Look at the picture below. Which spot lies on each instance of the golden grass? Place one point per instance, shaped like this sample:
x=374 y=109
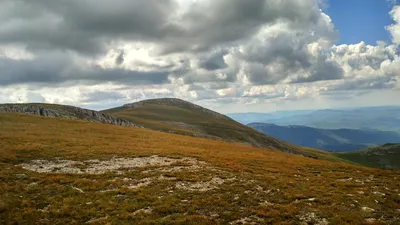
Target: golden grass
x=293 y=186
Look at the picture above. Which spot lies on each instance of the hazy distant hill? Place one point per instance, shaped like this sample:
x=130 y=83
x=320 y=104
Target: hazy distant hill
x=340 y=140
x=377 y=118
x=386 y=156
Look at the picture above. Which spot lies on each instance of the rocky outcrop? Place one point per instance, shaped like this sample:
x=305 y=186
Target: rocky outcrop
x=69 y=112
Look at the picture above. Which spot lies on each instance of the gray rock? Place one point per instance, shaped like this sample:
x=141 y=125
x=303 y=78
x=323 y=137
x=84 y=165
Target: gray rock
x=69 y=112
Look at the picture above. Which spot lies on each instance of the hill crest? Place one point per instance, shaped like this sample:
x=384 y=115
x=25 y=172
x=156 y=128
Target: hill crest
x=176 y=102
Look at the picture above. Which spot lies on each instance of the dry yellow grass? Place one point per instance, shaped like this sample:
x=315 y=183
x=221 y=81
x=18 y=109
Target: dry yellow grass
x=259 y=185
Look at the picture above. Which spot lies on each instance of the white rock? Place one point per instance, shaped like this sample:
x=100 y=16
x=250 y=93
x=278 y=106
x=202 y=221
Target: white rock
x=367 y=209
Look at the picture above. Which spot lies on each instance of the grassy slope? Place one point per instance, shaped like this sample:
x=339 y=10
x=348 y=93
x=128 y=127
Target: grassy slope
x=285 y=181
x=163 y=117
x=385 y=157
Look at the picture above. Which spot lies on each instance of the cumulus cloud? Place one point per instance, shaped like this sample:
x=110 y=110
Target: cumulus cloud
x=395 y=28
x=256 y=51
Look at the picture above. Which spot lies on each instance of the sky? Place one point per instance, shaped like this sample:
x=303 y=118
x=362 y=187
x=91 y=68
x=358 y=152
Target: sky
x=227 y=55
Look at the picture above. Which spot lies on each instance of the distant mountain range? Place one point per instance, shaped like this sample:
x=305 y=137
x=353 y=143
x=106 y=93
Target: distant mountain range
x=376 y=118
x=338 y=140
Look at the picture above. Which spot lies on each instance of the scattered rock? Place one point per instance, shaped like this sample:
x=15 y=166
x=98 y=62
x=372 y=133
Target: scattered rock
x=147 y=210
x=106 y=166
x=142 y=183
x=370 y=220
x=200 y=186
x=360 y=192
x=378 y=193
x=259 y=188
x=109 y=190
x=97 y=220
x=266 y=203
x=312 y=218
x=248 y=220
x=345 y=179
x=367 y=209
x=21 y=176
x=45 y=209
x=77 y=189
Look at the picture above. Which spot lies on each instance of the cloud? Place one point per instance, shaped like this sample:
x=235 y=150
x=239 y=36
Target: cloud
x=395 y=28
x=120 y=58
x=56 y=68
x=256 y=51
x=214 y=61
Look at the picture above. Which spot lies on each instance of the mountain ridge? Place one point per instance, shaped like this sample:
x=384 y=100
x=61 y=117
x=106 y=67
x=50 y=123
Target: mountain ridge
x=339 y=140
x=65 y=111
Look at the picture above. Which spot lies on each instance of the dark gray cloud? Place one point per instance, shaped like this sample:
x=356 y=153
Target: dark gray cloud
x=88 y=26
x=120 y=58
x=323 y=69
x=214 y=61
x=60 y=68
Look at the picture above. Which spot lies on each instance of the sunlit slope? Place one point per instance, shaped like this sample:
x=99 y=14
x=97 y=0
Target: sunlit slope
x=60 y=171
x=178 y=116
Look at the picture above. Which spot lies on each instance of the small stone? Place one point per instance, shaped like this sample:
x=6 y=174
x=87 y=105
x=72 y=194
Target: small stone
x=367 y=209
x=147 y=210
x=370 y=220
x=379 y=193
x=266 y=203
x=78 y=189
x=21 y=176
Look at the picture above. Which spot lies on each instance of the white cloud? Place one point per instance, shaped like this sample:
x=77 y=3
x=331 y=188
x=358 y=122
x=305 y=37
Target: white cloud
x=395 y=28
x=256 y=52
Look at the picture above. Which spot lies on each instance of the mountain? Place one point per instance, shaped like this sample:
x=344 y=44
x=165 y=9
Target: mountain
x=63 y=171
x=386 y=156
x=63 y=111
x=339 y=140
x=385 y=118
x=182 y=117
